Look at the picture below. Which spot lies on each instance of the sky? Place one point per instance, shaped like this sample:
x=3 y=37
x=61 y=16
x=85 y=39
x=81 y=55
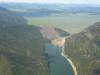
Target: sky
x=56 y=1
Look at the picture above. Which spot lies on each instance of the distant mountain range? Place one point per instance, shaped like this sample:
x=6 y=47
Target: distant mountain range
x=3 y=9
x=29 y=9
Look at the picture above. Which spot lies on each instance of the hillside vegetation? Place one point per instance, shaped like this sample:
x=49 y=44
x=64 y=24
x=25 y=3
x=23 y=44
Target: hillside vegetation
x=84 y=49
x=21 y=46
x=9 y=18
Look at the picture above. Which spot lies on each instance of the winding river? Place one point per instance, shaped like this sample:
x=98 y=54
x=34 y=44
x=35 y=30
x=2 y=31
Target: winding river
x=58 y=65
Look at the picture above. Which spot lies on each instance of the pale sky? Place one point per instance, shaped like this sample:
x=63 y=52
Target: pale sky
x=56 y=1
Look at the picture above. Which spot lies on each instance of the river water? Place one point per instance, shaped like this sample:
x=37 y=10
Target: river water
x=58 y=65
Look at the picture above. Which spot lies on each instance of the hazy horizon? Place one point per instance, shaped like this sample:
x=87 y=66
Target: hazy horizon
x=54 y=1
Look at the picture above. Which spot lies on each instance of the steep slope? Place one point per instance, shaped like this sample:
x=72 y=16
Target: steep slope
x=10 y=18
x=84 y=50
x=21 y=47
x=51 y=33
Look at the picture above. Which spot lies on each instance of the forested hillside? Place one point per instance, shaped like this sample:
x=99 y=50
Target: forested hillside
x=84 y=49
x=21 y=46
x=10 y=18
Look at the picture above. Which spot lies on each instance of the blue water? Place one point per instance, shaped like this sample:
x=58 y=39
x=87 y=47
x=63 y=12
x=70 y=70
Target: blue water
x=58 y=65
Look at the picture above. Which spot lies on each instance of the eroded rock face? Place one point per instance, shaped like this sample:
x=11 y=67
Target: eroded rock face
x=49 y=32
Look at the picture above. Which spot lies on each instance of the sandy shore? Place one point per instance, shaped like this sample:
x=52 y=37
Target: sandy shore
x=70 y=61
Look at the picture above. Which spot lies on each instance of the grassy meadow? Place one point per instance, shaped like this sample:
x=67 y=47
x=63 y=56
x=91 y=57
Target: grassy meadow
x=72 y=23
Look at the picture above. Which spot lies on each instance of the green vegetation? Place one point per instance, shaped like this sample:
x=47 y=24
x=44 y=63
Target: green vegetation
x=84 y=48
x=21 y=47
x=98 y=53
x=72 y=23
x=9 y=18
x=62 y=33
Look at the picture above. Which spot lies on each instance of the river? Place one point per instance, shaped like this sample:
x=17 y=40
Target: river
x=58 y=65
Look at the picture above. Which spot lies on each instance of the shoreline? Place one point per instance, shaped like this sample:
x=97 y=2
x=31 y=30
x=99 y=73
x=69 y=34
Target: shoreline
x=60 y=43
x=70 y=61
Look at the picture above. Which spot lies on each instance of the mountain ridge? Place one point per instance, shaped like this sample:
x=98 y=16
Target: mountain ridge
x=21 y=47
x=84 y=49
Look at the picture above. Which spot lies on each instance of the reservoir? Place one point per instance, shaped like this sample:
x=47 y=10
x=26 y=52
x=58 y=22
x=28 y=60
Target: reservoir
x=58 y=65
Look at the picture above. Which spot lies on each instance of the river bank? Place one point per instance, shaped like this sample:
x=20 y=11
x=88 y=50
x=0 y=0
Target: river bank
x=70 y=61
x=57 y=63
x=60 y=42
